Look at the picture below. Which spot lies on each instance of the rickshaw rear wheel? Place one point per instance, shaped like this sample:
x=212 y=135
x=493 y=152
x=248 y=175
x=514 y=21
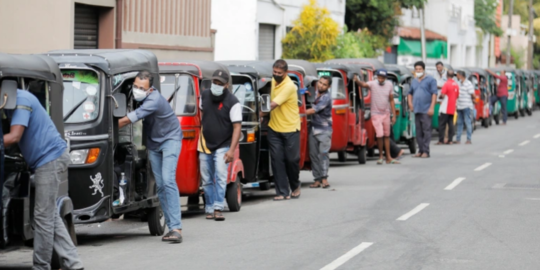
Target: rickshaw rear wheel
x=412 y=145
x=485 y=122
x=496 y=118
x=522 y=112
x=516 y=115
x=529 y=111
x=234 y=195
x=342 y=156
x=361 y=152
x=156 y=221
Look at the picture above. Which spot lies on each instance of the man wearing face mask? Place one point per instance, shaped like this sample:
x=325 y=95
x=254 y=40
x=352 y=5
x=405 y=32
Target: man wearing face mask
x=465 y=105
x=164 y=142
x=382 y=109
x=221 y=128
x=422 y=98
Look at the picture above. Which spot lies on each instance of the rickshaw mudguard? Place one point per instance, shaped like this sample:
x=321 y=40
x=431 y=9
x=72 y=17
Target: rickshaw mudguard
x=235 y=167
x=64 y=206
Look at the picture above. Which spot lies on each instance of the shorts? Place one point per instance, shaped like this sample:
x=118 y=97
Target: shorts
x=381 y=124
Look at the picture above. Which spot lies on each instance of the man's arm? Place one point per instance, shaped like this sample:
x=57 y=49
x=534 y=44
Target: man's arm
x=361 y=83
x=443 y=92
x=433 y=98
x=392 y=107
x=148 y=107
x=323 y=103
x=14 y=136
x=236 y=118
x=19 y=122
x=282 y=97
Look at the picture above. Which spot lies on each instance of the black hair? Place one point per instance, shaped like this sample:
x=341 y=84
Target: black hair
x=450 y=73
x=462 y=73
x=328 y=79
x=420 y=63
x=281 y=64
x=439 y=63
x=146 y=75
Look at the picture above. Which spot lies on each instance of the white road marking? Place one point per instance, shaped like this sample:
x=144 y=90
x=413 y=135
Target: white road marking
x=455 y=183
x=347 y=256
x=524 y=143
x=501 y=156
x=413 y=212
x=482 y=167
x=508 y=151
x=536 y=136
x=533 y=199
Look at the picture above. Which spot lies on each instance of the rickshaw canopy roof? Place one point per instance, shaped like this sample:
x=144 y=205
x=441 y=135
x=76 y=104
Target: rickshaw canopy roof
x=367 y=62
x=304 y=67
x=480 y=71
x=350 y=68
x=202 y=69
x=400 y=70
x=111 y=62
x=259 y=69
x=33 y=66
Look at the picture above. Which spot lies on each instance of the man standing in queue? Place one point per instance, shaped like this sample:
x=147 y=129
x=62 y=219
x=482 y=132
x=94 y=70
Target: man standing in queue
x=449 y=94
x=47 y=155
x=382 y=109
x=502 y=93
x=465 y=106
x=164 y=142
x=284 y=133
x=422 y=98
x=320 y=134
x=221 y=128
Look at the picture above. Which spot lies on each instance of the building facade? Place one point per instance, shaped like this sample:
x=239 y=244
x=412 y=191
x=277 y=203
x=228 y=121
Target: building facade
x=172 y=29
x=253 y=29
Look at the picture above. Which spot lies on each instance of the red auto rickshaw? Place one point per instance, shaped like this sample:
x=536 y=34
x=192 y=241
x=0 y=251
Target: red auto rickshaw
x=181 y=84
x=479 y=78
x=350 y=111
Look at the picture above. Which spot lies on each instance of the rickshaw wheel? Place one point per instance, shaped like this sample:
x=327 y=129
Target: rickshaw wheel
x=496 y=118
x=529 y=112
x=156 y=221
x=516 y=115
x=412 y=146
x=234 y=195
x=342 y=156
x=522 y=112
x=485 y=122
x=361 y=152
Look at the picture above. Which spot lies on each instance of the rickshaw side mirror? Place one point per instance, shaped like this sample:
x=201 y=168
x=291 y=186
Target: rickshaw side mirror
x=8 y=95
x=265 y=103
x=120 y=105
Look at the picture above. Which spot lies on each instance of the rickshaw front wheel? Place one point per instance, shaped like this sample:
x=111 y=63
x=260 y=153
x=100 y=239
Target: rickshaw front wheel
x=361 y=152
x=412 y=145
x=234 y=195
x=156 y=221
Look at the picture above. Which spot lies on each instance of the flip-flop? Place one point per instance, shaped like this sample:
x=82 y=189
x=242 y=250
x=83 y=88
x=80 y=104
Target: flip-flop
x=282 y=199
x=380 y=161
x=313 y=185
x=210 y=216
x=326 y=186
x=176 y=240
x=393 y=162
x=218 y=216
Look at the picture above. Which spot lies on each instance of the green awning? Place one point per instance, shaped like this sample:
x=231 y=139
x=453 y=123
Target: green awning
x=434 y=48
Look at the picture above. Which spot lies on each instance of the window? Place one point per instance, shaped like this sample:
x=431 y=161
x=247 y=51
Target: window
x=185 y=102
x=81 y=96
x=338 y=88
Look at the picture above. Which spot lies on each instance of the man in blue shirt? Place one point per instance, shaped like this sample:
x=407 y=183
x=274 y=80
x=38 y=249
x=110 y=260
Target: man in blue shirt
x=422 y=98
x=46 y=154
x=164 y=142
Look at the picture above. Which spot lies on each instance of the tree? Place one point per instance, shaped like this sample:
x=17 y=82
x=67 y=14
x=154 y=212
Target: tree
x=484 y=16
x=358 y=44
x=313 y=36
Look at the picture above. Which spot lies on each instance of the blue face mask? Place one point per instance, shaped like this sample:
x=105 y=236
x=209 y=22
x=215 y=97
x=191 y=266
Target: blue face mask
x=217 y=90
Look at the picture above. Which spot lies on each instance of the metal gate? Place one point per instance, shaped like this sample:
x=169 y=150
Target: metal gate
x=86 y=27
x=267 y=41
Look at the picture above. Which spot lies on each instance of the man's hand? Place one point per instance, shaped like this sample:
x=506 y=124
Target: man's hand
x=430 y=111
x=229 y=156
x=393 y=120
x=411 y=108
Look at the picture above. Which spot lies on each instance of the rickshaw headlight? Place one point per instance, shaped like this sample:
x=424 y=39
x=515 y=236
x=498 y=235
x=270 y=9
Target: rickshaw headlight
x=250 y=135
x=84 y=156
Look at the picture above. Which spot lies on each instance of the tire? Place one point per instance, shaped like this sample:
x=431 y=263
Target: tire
x=529 y=112
x=516 y=115
x=490 y=120
x=342 y=156
x=522 y=112
x=497 y=118
x=361 y=152
x=193 y=202
x=156 y=221
x=412 y=146
x=370 y=152
x=485 y=122
x=234 y=196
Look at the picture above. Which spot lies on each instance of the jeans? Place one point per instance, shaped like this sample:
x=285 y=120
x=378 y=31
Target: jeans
x=285 y=157
x=444 y=121
x=164 y=161
x=423 y=132
x=319 y=148
x=464 y=116
x=503 y=101
x=49 y=229
x=214 y=173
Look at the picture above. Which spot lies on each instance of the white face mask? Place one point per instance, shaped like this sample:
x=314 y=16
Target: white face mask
x=419 y=74
x=138 y=94
x=217 y=90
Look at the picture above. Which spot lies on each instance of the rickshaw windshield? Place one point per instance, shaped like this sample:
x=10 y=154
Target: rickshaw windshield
x=246 y=96
x=338 y=88
x=81 y=95
x=185 y=102
x=510 y=81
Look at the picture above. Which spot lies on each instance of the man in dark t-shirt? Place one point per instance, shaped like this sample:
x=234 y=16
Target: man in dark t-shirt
x=221 y=127
x=502 y=93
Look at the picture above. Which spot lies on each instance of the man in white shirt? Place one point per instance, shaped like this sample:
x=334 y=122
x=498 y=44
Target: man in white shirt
x=465 y=105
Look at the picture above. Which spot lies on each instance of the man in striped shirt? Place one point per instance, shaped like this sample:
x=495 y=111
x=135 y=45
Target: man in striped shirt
x=465 y=105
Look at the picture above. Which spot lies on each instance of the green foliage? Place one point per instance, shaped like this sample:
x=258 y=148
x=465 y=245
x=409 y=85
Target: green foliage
x=313 y=36
x=484 y=15
x=358 y=44
x=518 y=56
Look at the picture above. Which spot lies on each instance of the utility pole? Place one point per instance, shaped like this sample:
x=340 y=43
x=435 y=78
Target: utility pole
x=423 y=35
x=509 y=32
x=531 y=34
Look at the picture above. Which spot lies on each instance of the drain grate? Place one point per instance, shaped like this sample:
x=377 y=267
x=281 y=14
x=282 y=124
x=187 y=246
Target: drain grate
x=518 y=186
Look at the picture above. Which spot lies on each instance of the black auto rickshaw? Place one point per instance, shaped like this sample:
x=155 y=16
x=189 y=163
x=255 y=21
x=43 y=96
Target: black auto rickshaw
x=97 y=93
x=40 y=75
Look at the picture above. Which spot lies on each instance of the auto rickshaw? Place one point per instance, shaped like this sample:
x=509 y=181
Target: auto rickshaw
x=97 y=94
x=527 y=97
x=349 y=113
x=40 y=75
x=182 y=83
x=255 y=154
x=536 y=86
x=512 y=106
x=495 y=110
x=479 y=78
x=404 y=129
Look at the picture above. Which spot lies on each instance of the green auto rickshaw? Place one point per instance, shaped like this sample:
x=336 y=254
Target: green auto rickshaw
x=527 y=97
x=512 y=106
x=536 y=85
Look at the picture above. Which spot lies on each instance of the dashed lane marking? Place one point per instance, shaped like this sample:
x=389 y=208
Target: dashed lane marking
x=454 y=183
x=347 y=256
x=413 y=212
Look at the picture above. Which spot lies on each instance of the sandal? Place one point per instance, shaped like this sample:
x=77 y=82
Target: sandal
x=296 y=196
x=380 y=161
x=317 y=184
x=281 y=198
x=173 y=237
x=393 y=162
x=418 y=155
x=424 y=155
x=326 y=186
x=439 y=143
x=210 y=216
x=218 y=216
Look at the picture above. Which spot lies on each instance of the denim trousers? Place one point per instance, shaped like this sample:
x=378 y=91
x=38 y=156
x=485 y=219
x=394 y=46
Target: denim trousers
x=464 y=116
x=214 y=179
x=164 y=161
x=49 y=229
x=319 y=148
x=503 y=101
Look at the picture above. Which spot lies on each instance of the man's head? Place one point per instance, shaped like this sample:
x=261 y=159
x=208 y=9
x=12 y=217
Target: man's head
x=439 y=66
x=450 y=74
x=381 y=75
x=324 y=83
x=461 y=75
x=142 y=86
x=280 y=69
x=419 y=68
x=220 y=83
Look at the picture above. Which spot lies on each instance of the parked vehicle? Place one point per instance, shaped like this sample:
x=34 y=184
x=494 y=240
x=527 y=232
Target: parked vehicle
x=512 y=106
x=527 y=98
x=536 y=86
x=480 y=79
x=97 y=94
x=495 y=110
x=182 y=83
x=41 y=76
x=404 y=129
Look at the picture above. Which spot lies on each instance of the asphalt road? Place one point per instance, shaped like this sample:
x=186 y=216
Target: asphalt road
x=468 y=207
